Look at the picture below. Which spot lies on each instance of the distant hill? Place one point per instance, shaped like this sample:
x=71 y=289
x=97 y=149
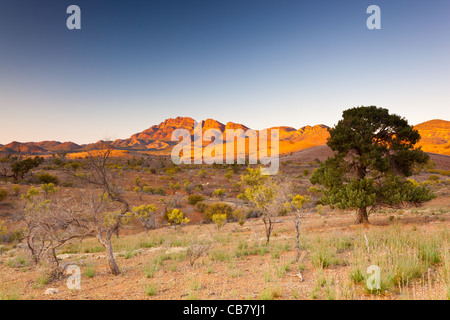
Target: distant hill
x=435 y=138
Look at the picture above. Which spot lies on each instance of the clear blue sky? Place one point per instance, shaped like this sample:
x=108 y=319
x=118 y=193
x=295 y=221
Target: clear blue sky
x=258 y=62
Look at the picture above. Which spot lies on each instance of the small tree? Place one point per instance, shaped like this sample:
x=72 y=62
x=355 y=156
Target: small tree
x=202 y=174
x=49 y=189
x=296 y=203
x=263 y=193
x=48 y=226
x=188 y=187
x=146 y=215
x=174 y=187
x=374 y=153
x=21 y=167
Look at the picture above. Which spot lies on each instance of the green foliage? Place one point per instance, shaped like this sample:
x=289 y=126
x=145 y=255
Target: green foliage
x=298 y=201
x=138 y=181
x=144 y=211
x=187 y=186
x=32 y=192
x=218 y=209
x=201 y=207
x=219 y=219
x=219 y=193
x=374 y=153
x=174 y=187
x=47 y=178
x=228 y=176
x=16 y=190
x=22 y=167
x=176 y=217
x=193 y=199
x=90 y=271
x=2 y=228
x=151 y=289
x=150 y=190
x=49 y=188
x=253 y=177
x=202 y=173
x=3 y=194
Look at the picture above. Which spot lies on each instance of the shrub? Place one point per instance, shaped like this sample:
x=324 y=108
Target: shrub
x=193 y=199
x=2 y=229
x=195 y=251
x=239 y=215
x=176 y=217
x=3 y=194
x=47 y=178
x=228 y=176
x=218 y=208
x=151 y=289
x=90 y=271
x=219 y=219
x=433 y=177
x=219 y=193
x=253 y=213
x=320 y=209
x=150 y=190
x=16 y=190
x=49 y=188
x=201 y=206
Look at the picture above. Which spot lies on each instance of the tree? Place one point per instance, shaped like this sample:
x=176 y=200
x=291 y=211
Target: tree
x=48 y=226
x=106 y=209
x=146 y=215
x=263 y=193
x=374 y=153
x=21 y=167
x=296 y=203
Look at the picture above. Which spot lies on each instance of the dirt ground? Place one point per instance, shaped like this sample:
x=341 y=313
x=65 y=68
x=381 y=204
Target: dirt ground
x=156 y=264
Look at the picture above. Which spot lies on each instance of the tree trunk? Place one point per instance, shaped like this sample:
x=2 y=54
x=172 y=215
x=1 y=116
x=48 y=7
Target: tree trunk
x=110 y=254
x=297 y=230
x=362 y=216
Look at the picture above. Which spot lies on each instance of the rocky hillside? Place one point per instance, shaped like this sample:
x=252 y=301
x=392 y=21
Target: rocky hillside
x=435 y=138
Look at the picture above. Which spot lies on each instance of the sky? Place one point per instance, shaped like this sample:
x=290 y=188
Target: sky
x=262 y=63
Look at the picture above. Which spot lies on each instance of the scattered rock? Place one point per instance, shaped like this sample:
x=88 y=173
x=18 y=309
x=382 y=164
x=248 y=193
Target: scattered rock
x=51 y=291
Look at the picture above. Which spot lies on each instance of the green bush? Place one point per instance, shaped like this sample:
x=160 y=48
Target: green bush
x=47 y=178
x=218 y=208
x=201 y=207
x=150 y=190
x=219 y=193
x=193 y=199
x=3 y=194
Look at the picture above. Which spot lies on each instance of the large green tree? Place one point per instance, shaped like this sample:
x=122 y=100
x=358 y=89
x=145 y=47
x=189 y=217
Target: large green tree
x=374 y=153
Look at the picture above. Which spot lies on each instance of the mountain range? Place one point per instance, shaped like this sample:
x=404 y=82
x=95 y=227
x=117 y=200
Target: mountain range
x=435 y=138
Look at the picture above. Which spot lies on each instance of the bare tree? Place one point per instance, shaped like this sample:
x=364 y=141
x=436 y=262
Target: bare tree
x=296 y=204
x=48 y=227
x=107 y=210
